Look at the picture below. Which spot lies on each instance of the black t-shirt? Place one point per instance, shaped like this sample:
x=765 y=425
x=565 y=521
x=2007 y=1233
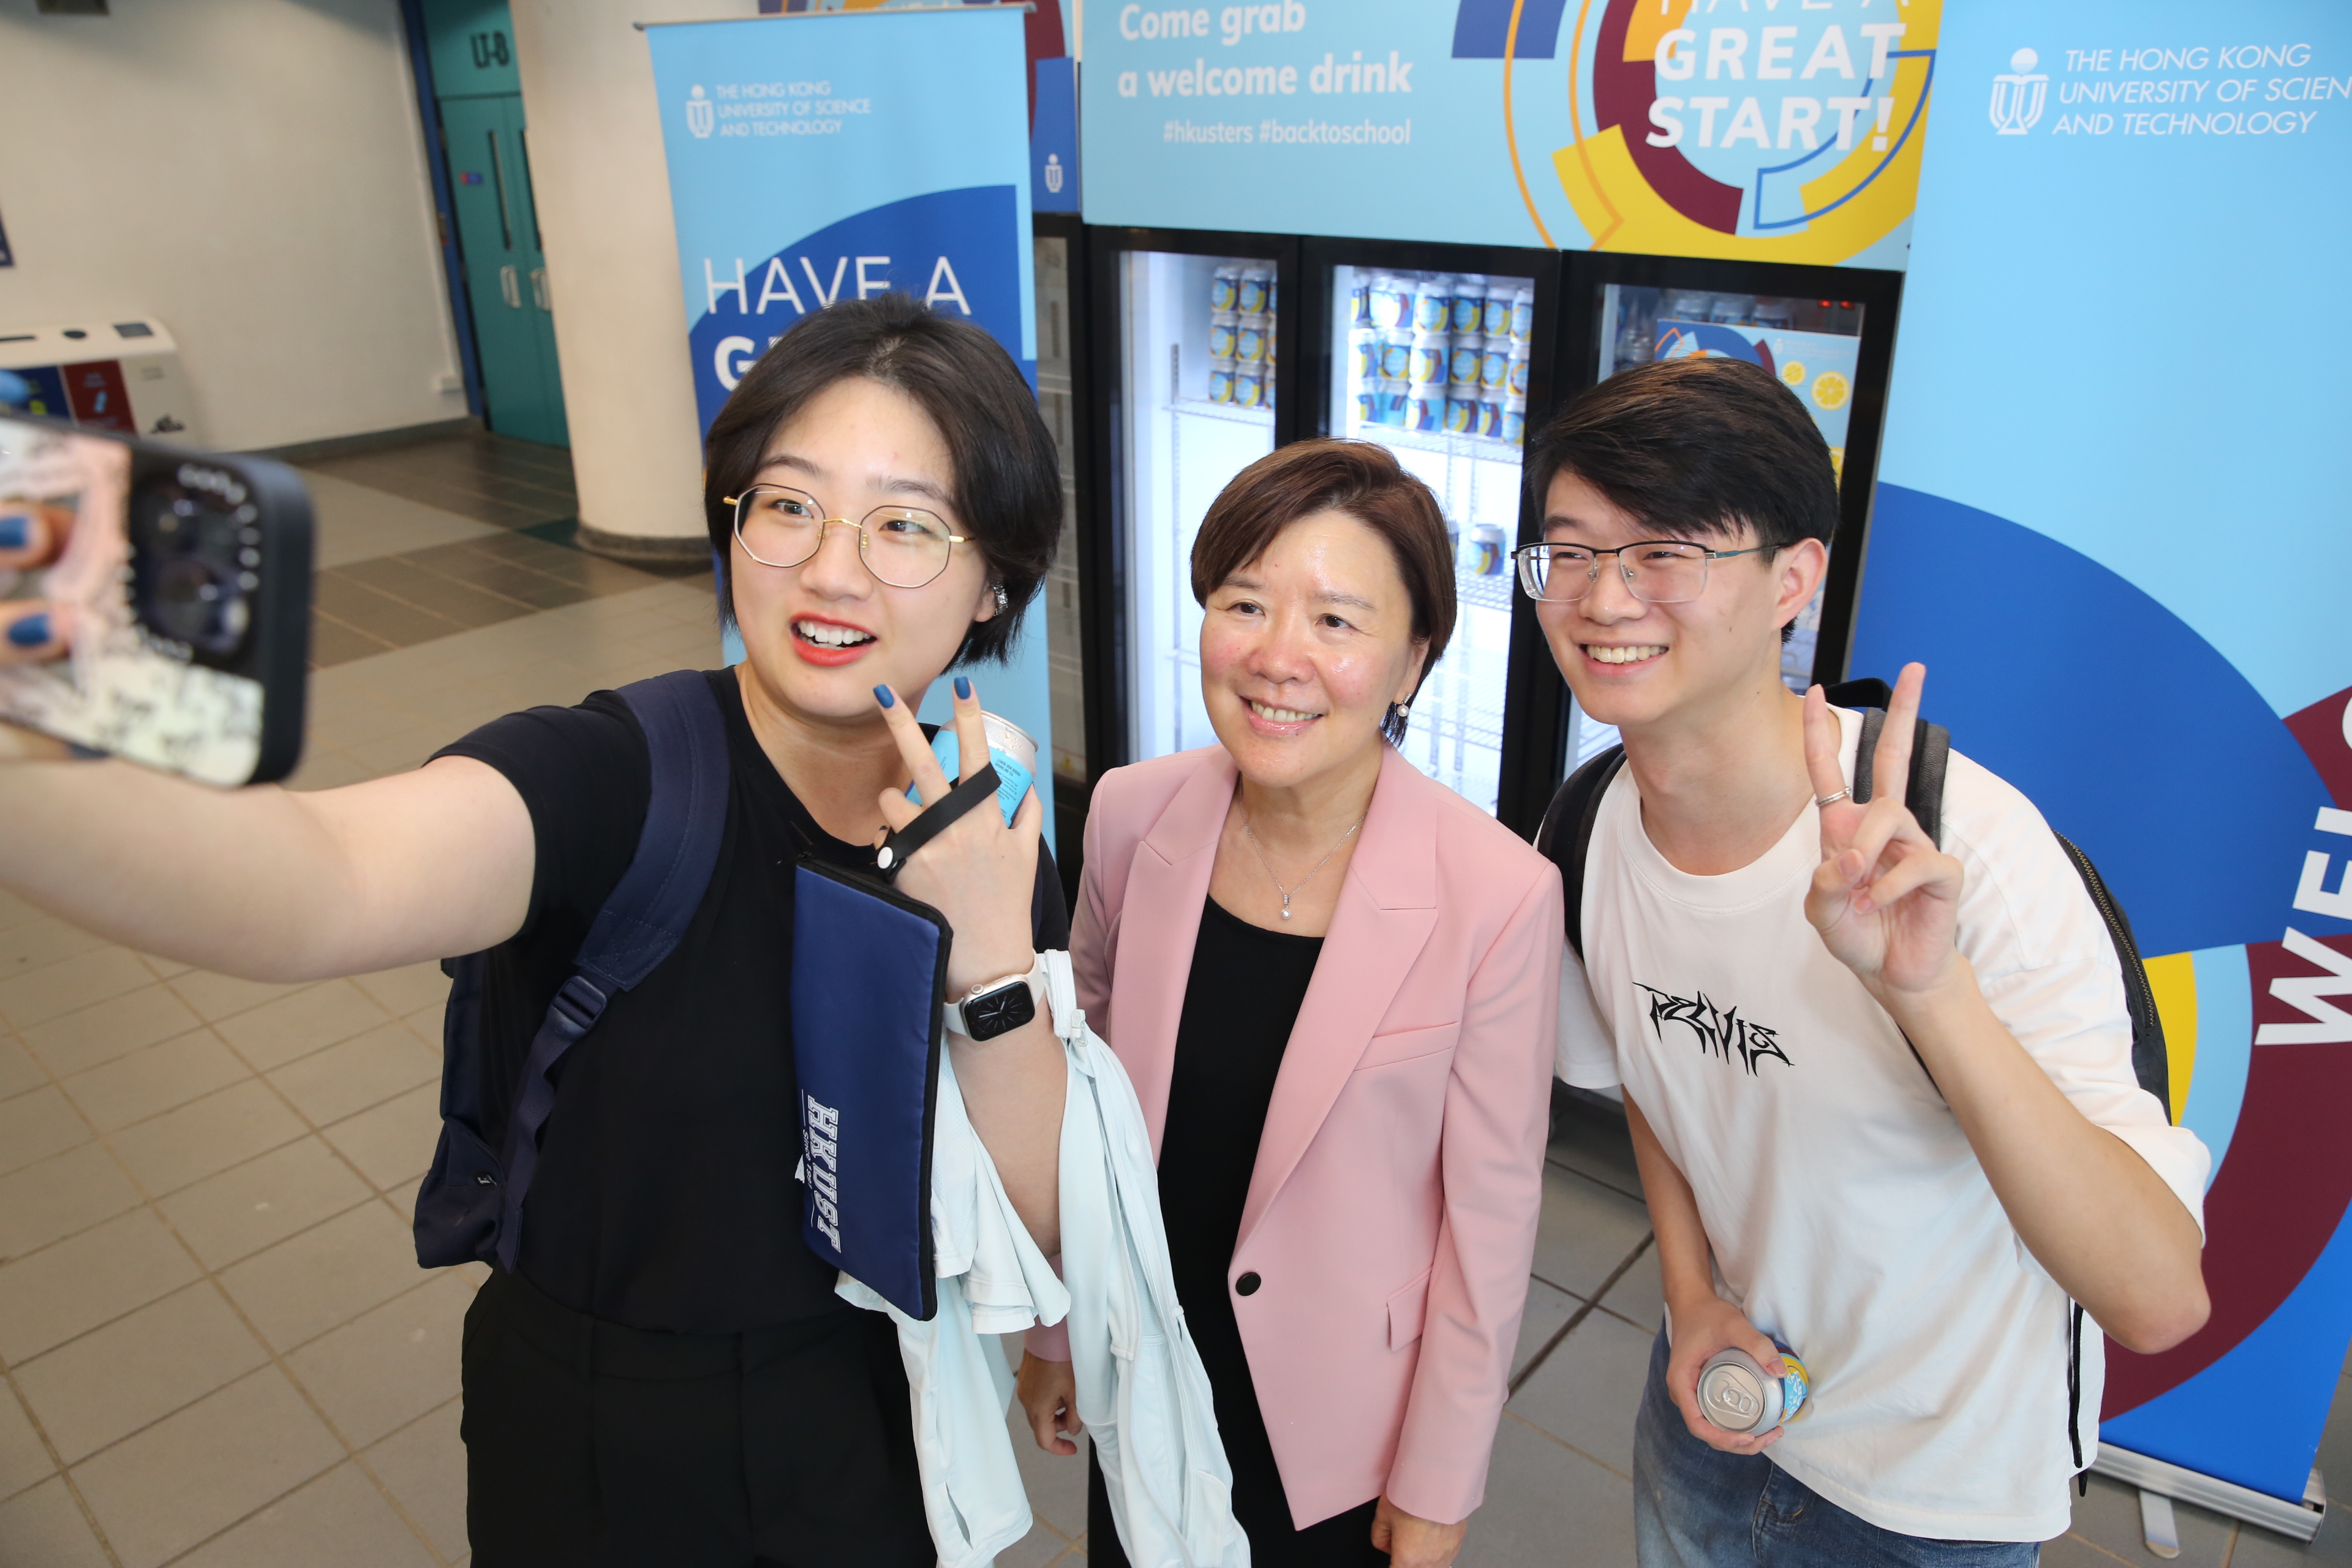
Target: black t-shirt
x=665 y=1196
x=1241 y=1002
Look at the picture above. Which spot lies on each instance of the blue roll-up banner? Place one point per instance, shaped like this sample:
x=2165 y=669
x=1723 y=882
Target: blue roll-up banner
x=839 y=155
x=2111 y=518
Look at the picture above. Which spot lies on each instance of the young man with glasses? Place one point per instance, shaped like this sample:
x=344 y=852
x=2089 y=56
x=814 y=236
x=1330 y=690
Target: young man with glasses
x=1881 y=1091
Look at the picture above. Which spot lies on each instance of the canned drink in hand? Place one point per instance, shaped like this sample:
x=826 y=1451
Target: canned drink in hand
x=1737 y=1395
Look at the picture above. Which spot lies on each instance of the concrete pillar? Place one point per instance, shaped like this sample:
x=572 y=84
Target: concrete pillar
x=612 y=259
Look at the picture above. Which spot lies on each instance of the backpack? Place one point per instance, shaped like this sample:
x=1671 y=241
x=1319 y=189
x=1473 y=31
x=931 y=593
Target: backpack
x=469 y=1208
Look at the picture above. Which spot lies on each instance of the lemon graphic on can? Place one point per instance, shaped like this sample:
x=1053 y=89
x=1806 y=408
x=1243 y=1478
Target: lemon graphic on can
x=1793 y=373
x=1829 y=389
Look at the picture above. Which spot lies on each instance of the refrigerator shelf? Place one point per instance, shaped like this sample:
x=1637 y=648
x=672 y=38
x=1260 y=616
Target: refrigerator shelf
x=1231 y=412
x=1444 y=443
x=1476 y=591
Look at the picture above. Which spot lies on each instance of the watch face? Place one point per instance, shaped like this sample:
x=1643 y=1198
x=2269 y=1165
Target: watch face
x=998 y=1012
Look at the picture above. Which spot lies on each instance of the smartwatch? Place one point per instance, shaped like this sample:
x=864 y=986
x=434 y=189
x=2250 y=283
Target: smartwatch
x=996 y=1007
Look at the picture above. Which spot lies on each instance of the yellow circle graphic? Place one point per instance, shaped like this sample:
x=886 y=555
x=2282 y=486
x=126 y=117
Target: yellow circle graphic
x=1793 y=373
x=1829 y=389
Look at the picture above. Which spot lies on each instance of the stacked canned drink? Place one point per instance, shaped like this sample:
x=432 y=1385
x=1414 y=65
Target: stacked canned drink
x=1440 y=352
x=1241 y=336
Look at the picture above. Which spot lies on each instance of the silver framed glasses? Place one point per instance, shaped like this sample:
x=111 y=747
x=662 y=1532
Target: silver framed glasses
x=1656 y=571
x=902 y=546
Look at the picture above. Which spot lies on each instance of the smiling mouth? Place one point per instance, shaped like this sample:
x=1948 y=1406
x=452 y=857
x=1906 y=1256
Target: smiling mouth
x=1273 y=715
x=825 y=634
x=1607 y=653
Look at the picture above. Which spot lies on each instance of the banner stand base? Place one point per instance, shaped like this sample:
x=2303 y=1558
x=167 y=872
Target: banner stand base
x=2296 y=1520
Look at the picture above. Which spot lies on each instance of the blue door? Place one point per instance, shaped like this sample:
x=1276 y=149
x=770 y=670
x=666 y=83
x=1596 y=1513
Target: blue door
x=487 y=145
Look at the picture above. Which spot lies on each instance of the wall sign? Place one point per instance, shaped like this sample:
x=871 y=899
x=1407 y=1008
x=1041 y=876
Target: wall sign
x=1663 y=127
x=2111 y=521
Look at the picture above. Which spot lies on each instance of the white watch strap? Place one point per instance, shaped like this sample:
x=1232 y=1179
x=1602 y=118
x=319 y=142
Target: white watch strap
x=952 y=1013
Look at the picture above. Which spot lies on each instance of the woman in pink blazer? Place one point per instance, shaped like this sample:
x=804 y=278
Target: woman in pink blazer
x=1333 y=982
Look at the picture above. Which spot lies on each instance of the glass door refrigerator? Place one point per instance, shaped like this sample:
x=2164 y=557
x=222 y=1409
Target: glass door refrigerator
x=1443 y=354
x=1195 y=352
x=1828 y=333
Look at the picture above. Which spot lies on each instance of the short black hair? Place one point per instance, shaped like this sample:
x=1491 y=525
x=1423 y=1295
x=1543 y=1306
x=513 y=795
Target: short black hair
x=1008 y=480
x=1697 y=446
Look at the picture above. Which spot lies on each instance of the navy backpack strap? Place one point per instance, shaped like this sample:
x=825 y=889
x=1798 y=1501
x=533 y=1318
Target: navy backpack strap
x=1566 y=835
x=686 y=737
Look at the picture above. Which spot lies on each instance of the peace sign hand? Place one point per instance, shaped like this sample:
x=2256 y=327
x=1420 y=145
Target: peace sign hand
x=1885 y=898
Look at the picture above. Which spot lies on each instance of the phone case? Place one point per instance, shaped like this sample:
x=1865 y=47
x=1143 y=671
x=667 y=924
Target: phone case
x=186 y=578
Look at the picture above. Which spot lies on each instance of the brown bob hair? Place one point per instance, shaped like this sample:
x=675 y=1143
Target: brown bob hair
x=1362 y=480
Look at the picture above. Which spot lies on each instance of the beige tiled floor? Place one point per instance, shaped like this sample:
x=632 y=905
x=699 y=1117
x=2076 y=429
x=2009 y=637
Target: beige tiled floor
x=217 y=1348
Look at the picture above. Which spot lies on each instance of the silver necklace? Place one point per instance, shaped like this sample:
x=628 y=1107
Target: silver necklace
x=1252 y=834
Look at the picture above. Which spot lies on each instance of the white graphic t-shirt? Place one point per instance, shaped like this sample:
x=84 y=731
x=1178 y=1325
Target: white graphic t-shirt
x=1847 y=1213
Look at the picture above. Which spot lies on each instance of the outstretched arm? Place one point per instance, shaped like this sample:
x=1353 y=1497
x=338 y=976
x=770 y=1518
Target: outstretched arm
x=267 y=883
x=2090 y=1209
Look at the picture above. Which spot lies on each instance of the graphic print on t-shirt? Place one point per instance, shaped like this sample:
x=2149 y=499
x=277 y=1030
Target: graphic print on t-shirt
x=1718 y=1030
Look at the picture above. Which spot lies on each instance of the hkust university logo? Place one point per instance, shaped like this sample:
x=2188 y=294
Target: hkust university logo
x=2018 y=94
x=700 y=117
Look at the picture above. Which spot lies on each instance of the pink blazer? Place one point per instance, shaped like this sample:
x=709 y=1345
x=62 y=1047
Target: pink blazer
x=1391 y=1218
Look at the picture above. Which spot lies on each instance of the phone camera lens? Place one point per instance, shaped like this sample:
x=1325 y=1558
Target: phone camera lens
x=187 y=579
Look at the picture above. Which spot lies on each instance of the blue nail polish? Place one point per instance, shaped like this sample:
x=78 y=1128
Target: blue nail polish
x=16 y=533
x=882 y=695
x=964 y=685
x=29 y=631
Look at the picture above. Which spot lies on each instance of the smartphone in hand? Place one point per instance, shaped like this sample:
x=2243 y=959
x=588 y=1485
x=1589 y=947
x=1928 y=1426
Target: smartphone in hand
x=180 y=583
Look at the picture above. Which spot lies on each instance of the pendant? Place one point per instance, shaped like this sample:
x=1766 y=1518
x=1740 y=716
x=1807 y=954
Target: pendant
x=1286 y=906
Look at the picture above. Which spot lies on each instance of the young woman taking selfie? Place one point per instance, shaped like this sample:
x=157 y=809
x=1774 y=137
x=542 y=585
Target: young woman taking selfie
x=666 y=1374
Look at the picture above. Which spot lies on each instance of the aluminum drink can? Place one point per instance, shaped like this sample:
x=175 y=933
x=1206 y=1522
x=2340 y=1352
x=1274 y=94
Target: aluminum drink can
x=1221 y=381
x=1487 y=550
x=1396 y=353
x=1469 y=313
x=1515 y=419
x=1249 y=386
x=1222 y=326
x=1395 y=393
x=1432 y=306
x=1523 y=316
x=1392 y=300
x=1461 y=409
x=1361 y=301
x=1516 y=376
x=1425 y=409
x=1224 y=288
x=1249 y=341
x=1272 y=337
x=1363 y=355
x=1737 y=1395
x=1431 y=352
x=1251 y=300
x=1490 y=415
x=1469 y=348
x=1494 y=366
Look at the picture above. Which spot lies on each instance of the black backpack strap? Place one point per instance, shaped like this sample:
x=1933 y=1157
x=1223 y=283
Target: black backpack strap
x=1931 y=755
x=647 y=913
x=2151 y=1063
x=1566 y=835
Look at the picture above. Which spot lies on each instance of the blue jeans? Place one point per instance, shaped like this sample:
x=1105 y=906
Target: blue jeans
x=1697 y=1506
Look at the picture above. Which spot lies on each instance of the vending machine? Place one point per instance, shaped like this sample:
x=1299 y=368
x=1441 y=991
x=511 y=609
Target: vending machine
x=1210 y=350
x=1194 y=376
